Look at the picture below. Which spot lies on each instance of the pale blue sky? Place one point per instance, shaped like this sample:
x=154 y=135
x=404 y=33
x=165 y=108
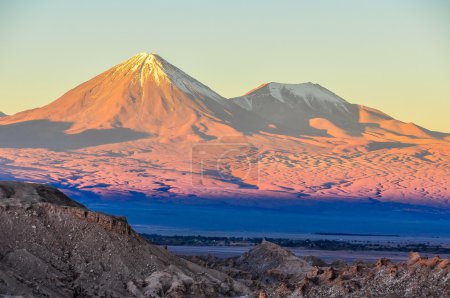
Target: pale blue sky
x=391 y=55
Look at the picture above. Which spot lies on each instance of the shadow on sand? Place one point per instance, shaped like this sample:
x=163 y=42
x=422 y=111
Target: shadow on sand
x=51 y=135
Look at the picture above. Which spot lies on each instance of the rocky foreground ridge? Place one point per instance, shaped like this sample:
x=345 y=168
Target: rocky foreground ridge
x=52 y=246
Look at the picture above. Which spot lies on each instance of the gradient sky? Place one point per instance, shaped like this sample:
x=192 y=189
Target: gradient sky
x=390 y=55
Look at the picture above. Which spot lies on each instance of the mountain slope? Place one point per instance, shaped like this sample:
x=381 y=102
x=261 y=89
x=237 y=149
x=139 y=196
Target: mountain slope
x=315 y=110
x=141 y=126
x=147 y=97
x=54 y=247
x=145 y=94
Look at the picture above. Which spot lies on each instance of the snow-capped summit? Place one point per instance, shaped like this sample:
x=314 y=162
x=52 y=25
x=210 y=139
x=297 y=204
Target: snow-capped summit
x=312 y=95
x=306 y=90
x=137 y=125
x=154 y=67
x=148 y=95
x=294 y=105
x=145 y=94
x=314 y=110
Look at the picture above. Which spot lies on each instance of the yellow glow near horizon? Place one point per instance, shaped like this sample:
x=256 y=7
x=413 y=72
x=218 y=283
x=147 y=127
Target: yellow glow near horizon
x=391 y=56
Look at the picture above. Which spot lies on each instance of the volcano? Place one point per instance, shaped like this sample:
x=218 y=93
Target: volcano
x=137 y=128
x=315 y=110
x=146 y=94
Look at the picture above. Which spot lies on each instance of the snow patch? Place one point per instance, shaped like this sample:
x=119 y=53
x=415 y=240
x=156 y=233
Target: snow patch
x=308 y=91
x=311 y=94
x=154 y=67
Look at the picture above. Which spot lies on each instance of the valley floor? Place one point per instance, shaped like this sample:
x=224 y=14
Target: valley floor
x=346 y=248
x=328 y=256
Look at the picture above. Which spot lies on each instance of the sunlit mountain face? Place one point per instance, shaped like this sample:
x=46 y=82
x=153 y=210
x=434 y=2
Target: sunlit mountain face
x=146 y=129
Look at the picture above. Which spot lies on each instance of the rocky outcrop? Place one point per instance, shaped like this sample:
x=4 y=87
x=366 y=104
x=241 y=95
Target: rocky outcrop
x=18 y=194
x=267 y=269
x=268 y=262
x=418 y=277
x=51 y=246
x=273 y=272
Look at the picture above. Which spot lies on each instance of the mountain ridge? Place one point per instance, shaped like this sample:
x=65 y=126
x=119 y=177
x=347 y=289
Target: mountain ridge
x=312 y=107
x=152 y=119
x=138 y=94
x=147 y=94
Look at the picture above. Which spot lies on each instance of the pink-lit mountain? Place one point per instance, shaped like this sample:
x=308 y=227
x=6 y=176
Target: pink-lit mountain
x=138 y=126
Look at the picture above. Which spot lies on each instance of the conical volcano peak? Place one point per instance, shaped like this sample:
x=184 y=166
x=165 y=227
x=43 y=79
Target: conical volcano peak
x=145 y=54
x=144 y=58
x=137 y=62
x=144 y=93
x=150 y=67
x=149 y=58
